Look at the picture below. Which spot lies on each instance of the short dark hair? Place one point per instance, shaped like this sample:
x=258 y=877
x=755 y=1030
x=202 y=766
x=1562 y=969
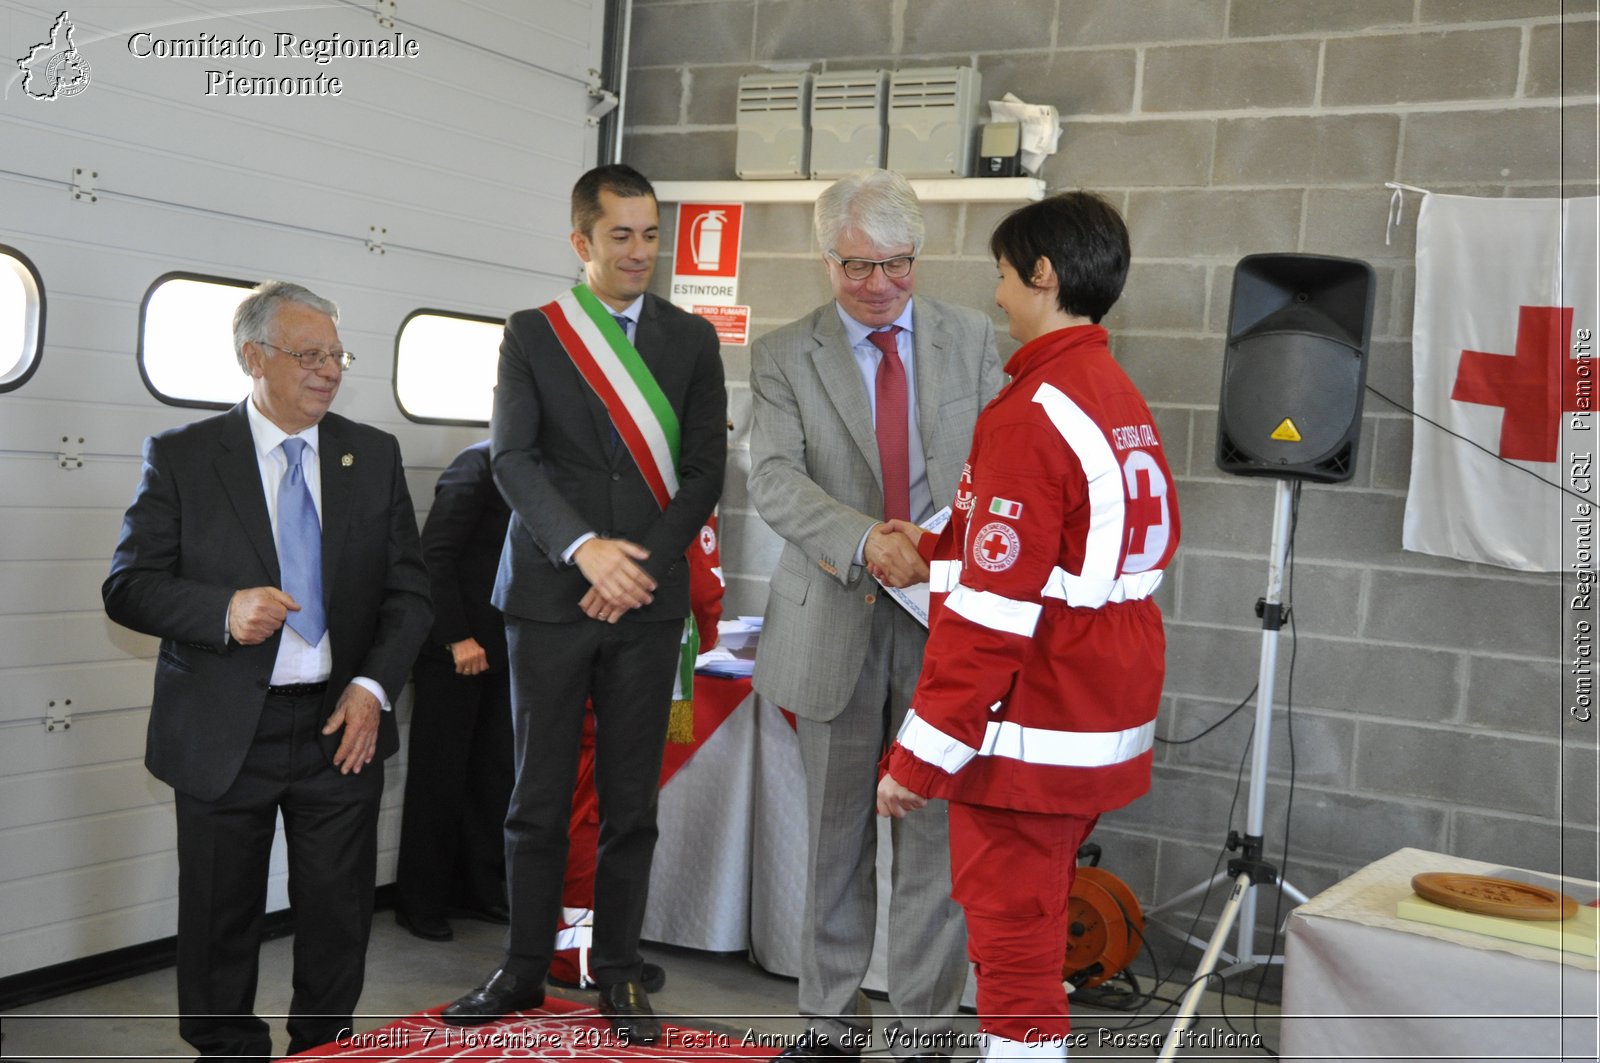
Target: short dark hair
x=1085 y=240
x=617 y=178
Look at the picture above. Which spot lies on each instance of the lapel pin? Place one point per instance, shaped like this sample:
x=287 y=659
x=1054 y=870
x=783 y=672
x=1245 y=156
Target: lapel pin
x=348 y=460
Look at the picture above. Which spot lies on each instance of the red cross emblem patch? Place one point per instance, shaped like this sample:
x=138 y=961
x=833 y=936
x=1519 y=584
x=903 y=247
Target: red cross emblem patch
x=996 y=547
x=964 y=497
x=708 y=539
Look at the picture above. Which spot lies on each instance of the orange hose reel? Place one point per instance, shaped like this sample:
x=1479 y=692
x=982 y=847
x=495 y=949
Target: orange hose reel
x=1105 y=926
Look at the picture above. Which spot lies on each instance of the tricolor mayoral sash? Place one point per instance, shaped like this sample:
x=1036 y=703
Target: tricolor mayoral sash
x=646 y=425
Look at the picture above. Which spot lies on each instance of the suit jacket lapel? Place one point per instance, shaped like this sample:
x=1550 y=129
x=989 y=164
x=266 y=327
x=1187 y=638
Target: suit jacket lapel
x=933 y=355
x=240 y=474
x=338 y=487
x=841 y=380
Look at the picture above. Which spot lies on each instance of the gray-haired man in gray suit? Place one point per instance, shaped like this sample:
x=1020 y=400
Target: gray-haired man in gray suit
x=863 y=410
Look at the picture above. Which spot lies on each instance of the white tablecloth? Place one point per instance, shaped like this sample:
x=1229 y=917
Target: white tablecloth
x=730 y=868
x=700 y=881
x=1362 y=983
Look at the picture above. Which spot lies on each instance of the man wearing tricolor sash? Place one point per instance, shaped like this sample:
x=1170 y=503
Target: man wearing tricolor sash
x=609 y=441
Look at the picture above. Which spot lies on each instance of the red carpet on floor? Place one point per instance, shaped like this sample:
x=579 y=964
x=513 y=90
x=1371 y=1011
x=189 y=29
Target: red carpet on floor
x=560 y=1030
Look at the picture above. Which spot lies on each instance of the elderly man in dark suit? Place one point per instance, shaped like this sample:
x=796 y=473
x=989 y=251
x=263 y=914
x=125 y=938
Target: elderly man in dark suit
x=273 y=549
x=609 y=442
x=862 y=411
x=459 y=768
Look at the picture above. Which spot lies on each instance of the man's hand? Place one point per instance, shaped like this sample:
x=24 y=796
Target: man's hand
x=892 y=558
x=254 y=614
x=596 y=607
x=357 y=712
x=895 y=800
x=913 y=532
x=611 y=567
x=470 y=657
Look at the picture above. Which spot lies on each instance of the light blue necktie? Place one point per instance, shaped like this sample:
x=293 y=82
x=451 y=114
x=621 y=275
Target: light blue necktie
x=300 y=546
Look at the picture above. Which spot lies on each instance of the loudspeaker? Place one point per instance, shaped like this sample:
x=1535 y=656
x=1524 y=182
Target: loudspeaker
x=1299 y=331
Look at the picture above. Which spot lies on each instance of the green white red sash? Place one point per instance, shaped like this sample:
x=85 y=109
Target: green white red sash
x=647 y=426
x=643 y=417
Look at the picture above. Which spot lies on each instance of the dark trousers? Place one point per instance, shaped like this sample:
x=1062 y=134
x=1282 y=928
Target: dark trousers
x=627 y=670
x=224 y=852
x=458 y=786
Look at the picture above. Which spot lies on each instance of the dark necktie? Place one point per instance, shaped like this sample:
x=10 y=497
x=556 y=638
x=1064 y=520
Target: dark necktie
x=300 y=546
x=622 y=323
x=893 y=426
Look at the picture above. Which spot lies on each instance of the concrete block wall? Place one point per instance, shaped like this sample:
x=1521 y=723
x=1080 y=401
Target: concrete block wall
x=1427 y=695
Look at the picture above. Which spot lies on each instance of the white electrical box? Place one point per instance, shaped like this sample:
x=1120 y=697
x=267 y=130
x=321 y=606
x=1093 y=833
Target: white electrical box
x=847 y=122
x=773 y=134
x=933 y=121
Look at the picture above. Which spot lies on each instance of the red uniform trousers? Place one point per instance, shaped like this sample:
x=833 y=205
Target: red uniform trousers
x=1016 y=939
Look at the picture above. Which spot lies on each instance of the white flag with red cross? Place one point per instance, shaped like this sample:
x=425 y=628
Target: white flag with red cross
x=1503 y=353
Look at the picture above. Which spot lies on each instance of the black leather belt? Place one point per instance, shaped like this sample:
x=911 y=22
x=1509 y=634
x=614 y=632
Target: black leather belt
x=297 y=690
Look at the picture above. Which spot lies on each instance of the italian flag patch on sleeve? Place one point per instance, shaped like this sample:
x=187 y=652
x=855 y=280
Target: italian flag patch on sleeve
x=1004 y=507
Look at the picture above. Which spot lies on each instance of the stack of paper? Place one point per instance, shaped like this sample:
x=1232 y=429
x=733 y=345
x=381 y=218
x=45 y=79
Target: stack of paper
x=735 y=654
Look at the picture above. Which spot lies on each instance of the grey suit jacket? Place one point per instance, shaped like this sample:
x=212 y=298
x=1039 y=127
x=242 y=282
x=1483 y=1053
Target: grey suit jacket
x=816 y=480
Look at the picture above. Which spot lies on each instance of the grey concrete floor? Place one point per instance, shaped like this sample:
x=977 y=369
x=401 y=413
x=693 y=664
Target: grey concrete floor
x=132 y=1019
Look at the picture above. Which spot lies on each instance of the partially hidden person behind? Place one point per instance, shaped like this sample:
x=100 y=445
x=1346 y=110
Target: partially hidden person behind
x=1036 y=707
x=459 y=764
x=862 y=412
x=273 y=550
x=609 y=442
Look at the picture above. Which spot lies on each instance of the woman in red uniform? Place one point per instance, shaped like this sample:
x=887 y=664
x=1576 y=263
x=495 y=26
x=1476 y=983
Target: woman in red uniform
x=1036 y=707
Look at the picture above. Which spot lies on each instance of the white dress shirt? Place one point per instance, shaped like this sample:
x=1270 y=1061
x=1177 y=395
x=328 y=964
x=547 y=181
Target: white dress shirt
x=298 y=661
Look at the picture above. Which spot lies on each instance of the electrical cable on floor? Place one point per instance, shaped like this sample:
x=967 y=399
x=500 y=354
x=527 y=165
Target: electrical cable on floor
x=1194 y=923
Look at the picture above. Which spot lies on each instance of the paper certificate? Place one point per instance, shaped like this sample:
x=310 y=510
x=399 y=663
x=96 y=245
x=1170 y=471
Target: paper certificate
x=915 y=597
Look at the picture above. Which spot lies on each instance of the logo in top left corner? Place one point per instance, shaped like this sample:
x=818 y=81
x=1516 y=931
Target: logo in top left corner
x=55 y=69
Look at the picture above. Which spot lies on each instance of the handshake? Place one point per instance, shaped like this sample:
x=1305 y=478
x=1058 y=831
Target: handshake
x=891 y=554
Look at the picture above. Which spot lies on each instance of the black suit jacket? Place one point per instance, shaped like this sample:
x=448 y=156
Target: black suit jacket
x=461 y=543
x=198 y=530
x=555 y=464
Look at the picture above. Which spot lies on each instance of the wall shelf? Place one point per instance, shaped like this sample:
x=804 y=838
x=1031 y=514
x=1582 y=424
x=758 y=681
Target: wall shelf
x=945 y=190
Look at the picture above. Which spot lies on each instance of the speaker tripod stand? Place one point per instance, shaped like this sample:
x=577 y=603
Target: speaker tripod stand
x=1250 y=869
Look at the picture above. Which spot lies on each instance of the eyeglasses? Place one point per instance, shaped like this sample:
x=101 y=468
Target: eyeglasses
x=314 y=359
x=859 y=269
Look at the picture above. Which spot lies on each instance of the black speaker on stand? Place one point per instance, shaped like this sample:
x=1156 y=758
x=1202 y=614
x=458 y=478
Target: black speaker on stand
x=1295 y=367
x=1299 y=331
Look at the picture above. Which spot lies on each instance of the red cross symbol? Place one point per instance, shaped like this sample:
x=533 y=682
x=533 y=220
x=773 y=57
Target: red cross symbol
x=1143 y=512
x=995 y=547
x=1534 y=386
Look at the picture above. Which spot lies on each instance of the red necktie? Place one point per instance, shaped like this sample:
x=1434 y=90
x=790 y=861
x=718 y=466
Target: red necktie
x=893 y=427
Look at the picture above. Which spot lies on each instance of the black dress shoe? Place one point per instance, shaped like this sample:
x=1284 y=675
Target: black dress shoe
x=500 y=995
x=811 y=1046
x=428 y=928
x=627 y=1007
x=652 y=977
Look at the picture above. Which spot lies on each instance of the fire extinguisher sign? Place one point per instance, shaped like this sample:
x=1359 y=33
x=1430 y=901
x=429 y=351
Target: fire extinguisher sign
x=705 y=263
